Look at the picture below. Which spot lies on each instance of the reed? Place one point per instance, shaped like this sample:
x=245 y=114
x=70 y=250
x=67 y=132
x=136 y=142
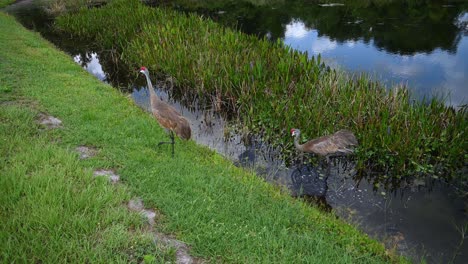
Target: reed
x=274 y=88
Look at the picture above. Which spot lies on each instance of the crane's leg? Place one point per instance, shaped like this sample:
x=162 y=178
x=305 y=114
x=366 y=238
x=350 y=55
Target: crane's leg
x=331 y=161
x=172 y=142
x=328 y=164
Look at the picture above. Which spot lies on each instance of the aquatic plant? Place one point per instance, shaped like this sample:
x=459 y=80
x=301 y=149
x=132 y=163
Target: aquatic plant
x=274 y=88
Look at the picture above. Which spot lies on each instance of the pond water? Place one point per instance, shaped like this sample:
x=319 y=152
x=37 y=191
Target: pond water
x=423 y=44
x=424 y=219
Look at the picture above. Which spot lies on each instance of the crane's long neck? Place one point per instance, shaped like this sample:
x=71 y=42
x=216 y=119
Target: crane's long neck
x=153 y=97
x=296 y=143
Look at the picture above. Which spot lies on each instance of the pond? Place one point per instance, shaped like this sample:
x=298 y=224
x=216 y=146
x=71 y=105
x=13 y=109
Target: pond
x=418 y=43
x=424 y=46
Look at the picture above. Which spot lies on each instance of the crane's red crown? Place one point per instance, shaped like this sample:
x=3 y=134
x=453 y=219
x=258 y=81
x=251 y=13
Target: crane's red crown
x=143 y=68
x=292 y=130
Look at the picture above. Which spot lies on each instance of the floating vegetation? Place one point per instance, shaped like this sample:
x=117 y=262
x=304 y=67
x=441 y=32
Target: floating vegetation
x=274 y=88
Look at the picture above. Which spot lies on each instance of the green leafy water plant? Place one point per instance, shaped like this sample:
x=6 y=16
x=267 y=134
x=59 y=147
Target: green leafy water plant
x=274 y=88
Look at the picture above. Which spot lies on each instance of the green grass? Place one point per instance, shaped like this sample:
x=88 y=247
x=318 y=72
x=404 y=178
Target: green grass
x=53 y=211
x=4 y=3
x=51 y=208
x=274 y=88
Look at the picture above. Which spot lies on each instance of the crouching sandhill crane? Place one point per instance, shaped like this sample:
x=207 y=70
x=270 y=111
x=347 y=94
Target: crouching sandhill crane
x=339 y=143
x=166 y=115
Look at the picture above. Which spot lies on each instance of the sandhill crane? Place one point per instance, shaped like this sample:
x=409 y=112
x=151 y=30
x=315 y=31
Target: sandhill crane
x=339 y=143
x=166 y=115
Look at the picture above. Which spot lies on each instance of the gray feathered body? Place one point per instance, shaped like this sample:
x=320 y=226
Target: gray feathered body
x=166 y=115
x=341 y=142
x=169 y=118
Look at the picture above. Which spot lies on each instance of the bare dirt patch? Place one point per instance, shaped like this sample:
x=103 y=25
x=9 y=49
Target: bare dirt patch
x=86 y=152
x=49 y=121
x=110 y=174
x=182 y=250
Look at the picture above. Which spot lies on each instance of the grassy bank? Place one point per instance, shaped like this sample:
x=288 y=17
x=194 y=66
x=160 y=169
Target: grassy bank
x=275 y=88
x=53 y=211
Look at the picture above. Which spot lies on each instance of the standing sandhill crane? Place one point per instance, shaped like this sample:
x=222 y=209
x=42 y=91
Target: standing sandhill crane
x=166 y=115
x=339 y=143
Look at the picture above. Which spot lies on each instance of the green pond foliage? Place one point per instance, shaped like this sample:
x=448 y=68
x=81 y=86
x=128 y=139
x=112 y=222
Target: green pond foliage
x=274 y=88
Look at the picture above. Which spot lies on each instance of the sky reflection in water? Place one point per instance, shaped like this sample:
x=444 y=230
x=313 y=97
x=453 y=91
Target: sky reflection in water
x=427 y=74
x=92 y=65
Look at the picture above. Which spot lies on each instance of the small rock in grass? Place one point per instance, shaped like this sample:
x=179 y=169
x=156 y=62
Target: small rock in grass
x=150 y=215
x=86 y=152
x=182 y=251
x=113 y=178
x=49 y=121
x=135 y=205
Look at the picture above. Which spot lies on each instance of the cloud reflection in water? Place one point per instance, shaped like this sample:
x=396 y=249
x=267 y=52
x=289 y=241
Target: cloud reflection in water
x=436 y=73
x=91 y=64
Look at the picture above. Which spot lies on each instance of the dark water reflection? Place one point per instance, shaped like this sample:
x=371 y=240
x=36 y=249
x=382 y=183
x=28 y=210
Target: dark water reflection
x=425 y=218
x=423 y=44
